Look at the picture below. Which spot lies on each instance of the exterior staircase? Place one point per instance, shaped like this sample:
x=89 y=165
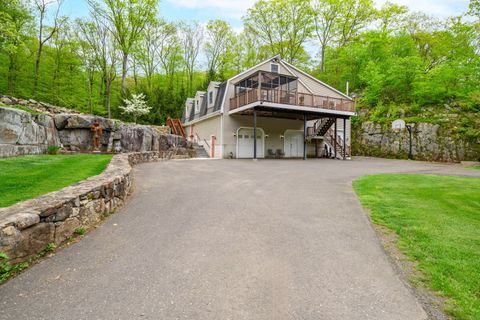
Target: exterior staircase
x=176 y=126
x=324 y=128
x=200 y=151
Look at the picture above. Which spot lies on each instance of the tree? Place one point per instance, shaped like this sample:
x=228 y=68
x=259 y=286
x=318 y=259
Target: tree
x=127 y=19
x=137 y=106
x=146 y=52
x=218 y=39
x=326 y=18
x=101 y=45
x=391 y=16
x=354 y=16
x=15 y=24
x=192 y=39
x=283 y=25
x=44 y=33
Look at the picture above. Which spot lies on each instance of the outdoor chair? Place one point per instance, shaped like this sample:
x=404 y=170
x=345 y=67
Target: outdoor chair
x=270 y=153
x=280 y=153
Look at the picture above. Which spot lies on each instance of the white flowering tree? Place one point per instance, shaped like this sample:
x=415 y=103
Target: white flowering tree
x=137 y=106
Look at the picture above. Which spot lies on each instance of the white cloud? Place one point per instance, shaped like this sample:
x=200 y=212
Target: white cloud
x=230 y=8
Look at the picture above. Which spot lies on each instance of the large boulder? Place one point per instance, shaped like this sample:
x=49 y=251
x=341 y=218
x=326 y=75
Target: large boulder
x=82 y=121
x=137 y=137
x=12 y=124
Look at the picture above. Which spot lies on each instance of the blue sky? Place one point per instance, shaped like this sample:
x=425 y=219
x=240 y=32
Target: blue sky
x=233 y=10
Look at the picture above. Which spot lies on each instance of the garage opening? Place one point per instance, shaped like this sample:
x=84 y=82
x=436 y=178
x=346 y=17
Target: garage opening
x=245 y=142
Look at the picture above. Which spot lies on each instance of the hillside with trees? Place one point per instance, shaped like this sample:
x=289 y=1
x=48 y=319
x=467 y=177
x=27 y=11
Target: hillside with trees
x=398 y=63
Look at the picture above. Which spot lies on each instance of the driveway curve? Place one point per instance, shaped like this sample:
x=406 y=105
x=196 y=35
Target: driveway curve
x=228 y=239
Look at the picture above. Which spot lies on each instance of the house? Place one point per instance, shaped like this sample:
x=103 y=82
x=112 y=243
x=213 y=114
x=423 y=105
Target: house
x=270 y=110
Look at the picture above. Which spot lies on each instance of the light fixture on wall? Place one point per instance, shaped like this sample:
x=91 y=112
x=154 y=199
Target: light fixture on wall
x=266 y=136
x=234 y=134
x=281 y=136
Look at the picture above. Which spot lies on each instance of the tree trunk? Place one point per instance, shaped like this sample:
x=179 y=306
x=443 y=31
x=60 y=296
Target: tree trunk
x=12 y=74
x=37 y=69
x=124 y=74
x=322 y=61
x=107 y=91
x=90 y=91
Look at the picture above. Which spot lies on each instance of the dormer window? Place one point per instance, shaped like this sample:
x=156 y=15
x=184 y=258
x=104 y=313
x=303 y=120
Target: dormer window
x=210 y=97
x=274 y=67
x=197 y=106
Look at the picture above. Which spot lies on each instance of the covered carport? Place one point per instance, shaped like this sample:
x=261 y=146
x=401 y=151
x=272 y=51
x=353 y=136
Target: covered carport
x=305 y=114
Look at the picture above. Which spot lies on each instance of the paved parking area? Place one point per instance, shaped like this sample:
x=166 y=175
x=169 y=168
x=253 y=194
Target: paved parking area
x=228 y=239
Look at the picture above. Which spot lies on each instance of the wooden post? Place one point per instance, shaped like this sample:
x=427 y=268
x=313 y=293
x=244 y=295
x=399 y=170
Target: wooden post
x=344 y=138
x=335 y=139
x=304 y=136
x=254 y=134
x=259 y=86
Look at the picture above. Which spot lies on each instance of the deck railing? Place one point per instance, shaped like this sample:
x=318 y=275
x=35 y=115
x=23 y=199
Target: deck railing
x=291 y=98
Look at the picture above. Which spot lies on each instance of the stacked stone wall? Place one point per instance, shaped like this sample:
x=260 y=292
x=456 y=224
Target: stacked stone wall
x=26 y=228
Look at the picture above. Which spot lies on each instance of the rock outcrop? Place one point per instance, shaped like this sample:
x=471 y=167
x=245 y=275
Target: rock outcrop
x=23 y=133
x=431 y=142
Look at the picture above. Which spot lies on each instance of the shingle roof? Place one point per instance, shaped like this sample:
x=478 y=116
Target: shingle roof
x=220 y=95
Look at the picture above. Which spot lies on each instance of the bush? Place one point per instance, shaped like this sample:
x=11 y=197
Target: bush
x=53 y=150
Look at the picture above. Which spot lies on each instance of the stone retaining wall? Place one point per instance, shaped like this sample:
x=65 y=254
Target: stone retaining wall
x=431 y=142
x=28 y=227
x=23 y=133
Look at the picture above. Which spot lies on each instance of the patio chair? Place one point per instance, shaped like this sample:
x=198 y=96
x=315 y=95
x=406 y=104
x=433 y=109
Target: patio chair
x=270 y=153
x=280 y=153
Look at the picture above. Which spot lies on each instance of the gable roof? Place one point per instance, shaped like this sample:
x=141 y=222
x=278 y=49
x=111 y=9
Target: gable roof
x=315 y=79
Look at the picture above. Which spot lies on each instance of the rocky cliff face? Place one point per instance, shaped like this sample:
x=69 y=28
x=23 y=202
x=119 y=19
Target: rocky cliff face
x=23 y=133
x=431 y=142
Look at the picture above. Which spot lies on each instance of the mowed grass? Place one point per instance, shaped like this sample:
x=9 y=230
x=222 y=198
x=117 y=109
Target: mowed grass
x=27 y=177
x=437 y=219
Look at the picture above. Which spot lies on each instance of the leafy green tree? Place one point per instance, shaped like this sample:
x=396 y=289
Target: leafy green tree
x=45 y=33
x=219 y=37
x=127 y=19
x=15 y=25
x=283 y=25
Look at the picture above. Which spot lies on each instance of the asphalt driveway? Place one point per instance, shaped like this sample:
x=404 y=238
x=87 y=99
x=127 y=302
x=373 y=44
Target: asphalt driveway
x=228 y=239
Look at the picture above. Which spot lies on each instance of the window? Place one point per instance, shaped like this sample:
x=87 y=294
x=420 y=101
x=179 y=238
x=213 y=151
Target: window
x=210 y=97
x=274 y=67
x=197 y=106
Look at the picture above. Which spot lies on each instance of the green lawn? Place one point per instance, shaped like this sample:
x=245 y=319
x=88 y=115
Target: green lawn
x=437 y=219
x=27 y=177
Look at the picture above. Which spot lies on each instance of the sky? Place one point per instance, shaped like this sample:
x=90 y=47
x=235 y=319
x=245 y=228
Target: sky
x=233 y=10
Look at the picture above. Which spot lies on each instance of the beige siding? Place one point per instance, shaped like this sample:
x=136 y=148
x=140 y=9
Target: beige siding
x=272 y=127
x=348 y=132
x=204 y=130
x=315 y=86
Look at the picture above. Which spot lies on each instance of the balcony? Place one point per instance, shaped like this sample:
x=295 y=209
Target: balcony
x=282 y=89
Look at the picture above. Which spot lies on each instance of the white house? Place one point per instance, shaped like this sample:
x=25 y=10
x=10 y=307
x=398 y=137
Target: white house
x=291 y=114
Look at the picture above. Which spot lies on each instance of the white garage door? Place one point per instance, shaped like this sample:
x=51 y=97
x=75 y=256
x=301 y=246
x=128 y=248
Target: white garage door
x=245 y=143
x=293 y=144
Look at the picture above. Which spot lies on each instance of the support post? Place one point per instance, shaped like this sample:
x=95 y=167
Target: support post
x=410 y=153
x=254 y=134
x=304 y=136
x=335 y=139
x=344 y=138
